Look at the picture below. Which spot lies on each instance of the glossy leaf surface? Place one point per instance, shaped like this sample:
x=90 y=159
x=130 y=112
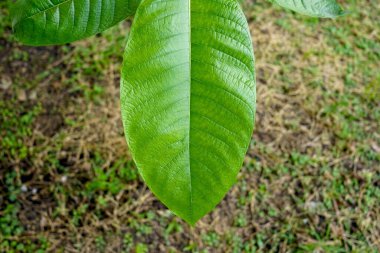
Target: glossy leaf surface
x=42 y=22
x=314 y=8
x=188 y=100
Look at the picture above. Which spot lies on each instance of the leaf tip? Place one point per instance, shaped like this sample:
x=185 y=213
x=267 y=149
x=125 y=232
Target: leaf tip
x=192 y=222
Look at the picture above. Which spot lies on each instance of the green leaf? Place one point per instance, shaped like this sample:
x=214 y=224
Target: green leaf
x=188 y=100
x=42 y=22
x=314 y=8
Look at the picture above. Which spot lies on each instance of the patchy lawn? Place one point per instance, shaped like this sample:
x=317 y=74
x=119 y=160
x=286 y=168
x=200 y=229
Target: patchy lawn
x=310 y=181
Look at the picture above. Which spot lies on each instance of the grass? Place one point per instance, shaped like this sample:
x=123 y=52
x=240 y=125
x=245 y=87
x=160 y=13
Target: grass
x=310 y=181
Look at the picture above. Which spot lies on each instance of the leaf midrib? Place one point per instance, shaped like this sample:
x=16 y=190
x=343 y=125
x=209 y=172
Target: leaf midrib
x=190 y=80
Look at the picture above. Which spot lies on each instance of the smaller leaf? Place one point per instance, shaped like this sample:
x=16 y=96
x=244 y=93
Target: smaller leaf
x=313 y=8
x=38 y=23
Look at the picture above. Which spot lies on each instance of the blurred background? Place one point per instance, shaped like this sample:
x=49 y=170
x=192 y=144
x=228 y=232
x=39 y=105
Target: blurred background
x=310 y=181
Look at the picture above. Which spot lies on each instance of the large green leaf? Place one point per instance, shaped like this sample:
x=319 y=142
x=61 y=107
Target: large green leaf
x=314 y=8
x=188 y=99
x=47 y=22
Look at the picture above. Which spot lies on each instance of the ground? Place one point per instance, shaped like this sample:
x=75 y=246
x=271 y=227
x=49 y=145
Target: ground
x=310 y=181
